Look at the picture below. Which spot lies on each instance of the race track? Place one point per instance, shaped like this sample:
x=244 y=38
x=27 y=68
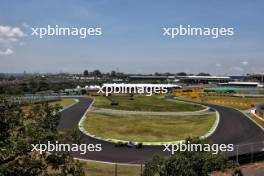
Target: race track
x=234 y=128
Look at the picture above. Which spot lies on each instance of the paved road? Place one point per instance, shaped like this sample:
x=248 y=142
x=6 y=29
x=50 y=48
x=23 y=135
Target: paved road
x=234 y=128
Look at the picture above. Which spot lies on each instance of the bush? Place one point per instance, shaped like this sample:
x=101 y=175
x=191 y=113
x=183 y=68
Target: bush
x=189 y=163
x=113 y=103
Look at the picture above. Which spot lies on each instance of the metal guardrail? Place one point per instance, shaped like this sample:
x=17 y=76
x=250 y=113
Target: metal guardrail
x=247 y=153
x=32 y=99
x=38 y=98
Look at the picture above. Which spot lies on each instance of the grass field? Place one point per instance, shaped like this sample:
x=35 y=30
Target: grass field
x=148 y=128
x=235 y=102
x=105 y=169
x=64 y=102
x=92 y=168
x=144 y=103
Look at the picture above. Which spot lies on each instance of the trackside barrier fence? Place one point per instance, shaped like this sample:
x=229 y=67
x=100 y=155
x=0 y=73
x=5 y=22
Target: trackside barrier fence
x=113 y=169
x=247 y=153
x=244 y=154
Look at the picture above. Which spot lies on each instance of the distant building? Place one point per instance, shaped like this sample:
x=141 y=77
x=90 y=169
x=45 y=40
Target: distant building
x=238 y=78
x=256 y=77
x=150 y=78
x=203 y=79
x=242 y=84
x=71 y=91
x=92 y=78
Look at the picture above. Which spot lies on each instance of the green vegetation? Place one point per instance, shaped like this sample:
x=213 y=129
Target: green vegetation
x=144 y=103
x=261 y=91
x=147 y=128
x=64 y=102
x=20 y=129
x=235 y=102
x=34 y=85
x=105 y=169
x=189 y=163
x=93 y=168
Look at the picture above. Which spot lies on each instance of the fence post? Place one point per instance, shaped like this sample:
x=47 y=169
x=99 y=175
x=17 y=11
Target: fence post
x=251 y=149
x=141 y=170
x=115 y=169
x=237 y=153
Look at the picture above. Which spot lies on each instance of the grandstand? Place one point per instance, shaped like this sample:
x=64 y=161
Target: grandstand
x=203 y=79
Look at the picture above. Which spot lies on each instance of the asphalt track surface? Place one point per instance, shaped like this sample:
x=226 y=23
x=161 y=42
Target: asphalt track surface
x=233 y=128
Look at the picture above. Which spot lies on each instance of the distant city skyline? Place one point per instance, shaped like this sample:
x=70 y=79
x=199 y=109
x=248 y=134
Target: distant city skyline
x=132 y=39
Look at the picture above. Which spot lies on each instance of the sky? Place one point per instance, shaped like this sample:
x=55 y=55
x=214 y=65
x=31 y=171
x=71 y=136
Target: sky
x=132 y=39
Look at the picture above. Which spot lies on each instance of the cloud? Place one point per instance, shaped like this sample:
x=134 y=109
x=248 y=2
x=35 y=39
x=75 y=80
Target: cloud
x=25 y=25
x=218 y=65
x=245 y=62
x=9 y=37
x=6 y=52
x=21 y=43
x=10 y=33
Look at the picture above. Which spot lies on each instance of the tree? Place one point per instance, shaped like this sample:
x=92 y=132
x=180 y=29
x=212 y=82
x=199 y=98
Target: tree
x=97 y=73
x=43 y=85
x=113 y=74
x=85 y=73
x=33 y=85
x=154 y=167
x=20 y=129
x=181 y=74
x=203 y=74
